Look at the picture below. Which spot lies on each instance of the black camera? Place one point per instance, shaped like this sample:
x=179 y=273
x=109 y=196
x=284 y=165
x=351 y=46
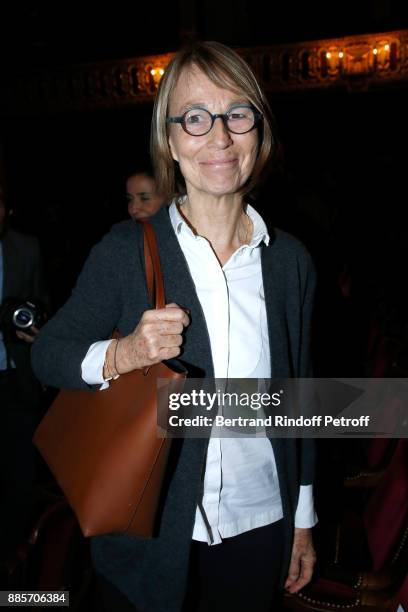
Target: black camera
x=18 y=315
x=28 y=315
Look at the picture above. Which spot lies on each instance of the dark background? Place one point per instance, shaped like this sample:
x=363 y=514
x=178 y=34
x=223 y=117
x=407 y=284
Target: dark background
x=64 y=32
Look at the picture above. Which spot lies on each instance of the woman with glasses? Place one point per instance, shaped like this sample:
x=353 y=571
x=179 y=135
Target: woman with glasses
x=236 y=512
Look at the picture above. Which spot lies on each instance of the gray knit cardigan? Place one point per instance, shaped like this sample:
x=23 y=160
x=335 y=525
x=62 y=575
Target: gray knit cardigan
x=111 y=294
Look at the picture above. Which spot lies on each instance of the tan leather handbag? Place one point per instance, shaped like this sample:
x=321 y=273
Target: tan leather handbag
x=103 y=447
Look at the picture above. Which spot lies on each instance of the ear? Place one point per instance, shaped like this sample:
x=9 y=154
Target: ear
x=173 y=149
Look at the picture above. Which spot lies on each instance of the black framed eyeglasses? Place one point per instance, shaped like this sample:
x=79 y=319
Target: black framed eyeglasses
x=239 y=119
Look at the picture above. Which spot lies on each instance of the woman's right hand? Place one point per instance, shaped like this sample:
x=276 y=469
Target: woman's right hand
x=157 y=336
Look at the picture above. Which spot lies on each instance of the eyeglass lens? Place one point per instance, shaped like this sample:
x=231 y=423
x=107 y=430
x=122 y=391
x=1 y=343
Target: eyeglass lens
x=198 y=121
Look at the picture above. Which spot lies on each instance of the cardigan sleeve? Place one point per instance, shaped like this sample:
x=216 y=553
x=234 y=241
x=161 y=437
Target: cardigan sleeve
x=90 y=314
x=308 y=445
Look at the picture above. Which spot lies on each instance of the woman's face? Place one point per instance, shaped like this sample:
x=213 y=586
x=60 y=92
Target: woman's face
x=143 y=200
x=219 y=162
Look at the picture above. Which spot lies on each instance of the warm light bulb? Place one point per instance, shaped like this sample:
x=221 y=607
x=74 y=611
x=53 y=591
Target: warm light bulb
x=328 y=55
x=387 y=47
x=341 y=54
x=161 y=71
x=375 y=51
x=153 y=72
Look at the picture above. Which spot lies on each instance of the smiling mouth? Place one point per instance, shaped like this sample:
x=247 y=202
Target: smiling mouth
x=219 y=162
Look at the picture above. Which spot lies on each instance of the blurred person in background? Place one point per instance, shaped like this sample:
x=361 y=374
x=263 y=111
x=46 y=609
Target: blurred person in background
x=142 y=195
x=21 y=280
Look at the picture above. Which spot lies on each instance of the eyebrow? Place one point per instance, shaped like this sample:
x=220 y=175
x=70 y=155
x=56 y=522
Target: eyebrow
x=141 y=193
x=195 y=104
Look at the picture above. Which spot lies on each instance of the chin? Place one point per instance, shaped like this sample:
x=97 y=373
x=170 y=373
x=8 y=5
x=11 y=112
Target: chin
x=222 y=190
x=225 y=186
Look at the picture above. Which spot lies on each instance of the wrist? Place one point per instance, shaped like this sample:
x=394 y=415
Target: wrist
x=108 y=370
x=121 y=362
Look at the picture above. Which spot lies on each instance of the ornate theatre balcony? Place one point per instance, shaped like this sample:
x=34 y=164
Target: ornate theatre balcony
x=353 y=63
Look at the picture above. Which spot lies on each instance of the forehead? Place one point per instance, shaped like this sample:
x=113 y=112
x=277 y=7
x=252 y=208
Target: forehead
x=139 y=183
x=195 y=87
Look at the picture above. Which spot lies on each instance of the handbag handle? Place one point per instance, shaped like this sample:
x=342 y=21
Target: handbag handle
x=154 y=277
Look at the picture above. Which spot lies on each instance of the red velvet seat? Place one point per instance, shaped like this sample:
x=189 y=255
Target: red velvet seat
x=378 y=583
x=55 y=555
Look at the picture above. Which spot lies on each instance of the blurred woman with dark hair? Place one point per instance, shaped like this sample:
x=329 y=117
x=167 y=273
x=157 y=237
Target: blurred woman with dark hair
x=142 y=195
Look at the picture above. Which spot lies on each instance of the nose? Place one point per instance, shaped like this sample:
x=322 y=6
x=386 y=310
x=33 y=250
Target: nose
x=132 y=209
x=220 y=136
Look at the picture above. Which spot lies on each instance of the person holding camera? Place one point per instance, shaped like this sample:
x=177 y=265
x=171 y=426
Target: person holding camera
x=21 y=294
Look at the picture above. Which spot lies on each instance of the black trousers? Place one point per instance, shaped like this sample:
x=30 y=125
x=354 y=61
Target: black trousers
x=239 y=575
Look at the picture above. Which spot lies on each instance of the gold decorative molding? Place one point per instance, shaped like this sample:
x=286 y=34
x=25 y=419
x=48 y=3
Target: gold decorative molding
x=359 y=63
x=84 y=87
x=353 y=62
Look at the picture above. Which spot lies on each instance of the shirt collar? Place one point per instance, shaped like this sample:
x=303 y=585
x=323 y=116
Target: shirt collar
x=260 y=233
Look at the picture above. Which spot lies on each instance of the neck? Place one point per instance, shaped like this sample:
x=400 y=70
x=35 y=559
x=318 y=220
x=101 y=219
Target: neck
x=221 y=220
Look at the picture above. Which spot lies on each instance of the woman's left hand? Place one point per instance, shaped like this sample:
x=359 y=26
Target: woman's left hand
x=302 y=561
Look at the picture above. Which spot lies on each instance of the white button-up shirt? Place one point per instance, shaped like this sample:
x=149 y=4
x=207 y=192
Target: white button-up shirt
x=241 y=489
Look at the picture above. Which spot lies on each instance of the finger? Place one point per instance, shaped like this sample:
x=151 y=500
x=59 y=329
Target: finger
x=171 y=341
x=25 y=337
x=307 y=571
x=34 y=329
x=152 y=332
x=169 y=353
x=161 y=328
x=299 y=584
x=152 y=317
x=294 y=571
x=304 y=577
x=173 y=313
x=172 y=328
x=154 y=345
x=173 y=305
x=296 y=586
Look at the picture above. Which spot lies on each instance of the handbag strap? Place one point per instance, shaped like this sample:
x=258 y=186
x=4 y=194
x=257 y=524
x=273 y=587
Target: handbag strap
x=154 y=277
